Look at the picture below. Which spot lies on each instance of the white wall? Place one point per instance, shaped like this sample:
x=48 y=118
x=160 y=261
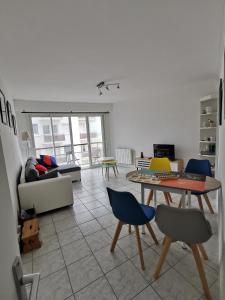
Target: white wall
x=221 y=176
x=171 y=118
x=10 y=162
x=23 y=120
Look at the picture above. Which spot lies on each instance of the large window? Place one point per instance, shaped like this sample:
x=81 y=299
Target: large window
x=71 y=139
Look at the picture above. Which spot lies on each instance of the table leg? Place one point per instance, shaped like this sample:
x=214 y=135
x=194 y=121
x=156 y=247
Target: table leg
x=155 y=198
x=189 y=199
x=183 y=199
x=143 y=202
x=184 y=246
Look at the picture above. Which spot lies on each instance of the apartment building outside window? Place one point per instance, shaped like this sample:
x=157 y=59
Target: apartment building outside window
x=69 y=138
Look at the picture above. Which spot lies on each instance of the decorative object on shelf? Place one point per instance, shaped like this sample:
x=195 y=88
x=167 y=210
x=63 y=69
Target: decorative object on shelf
x=26 y=138
x=3 y=112
x=14 y=124
x=220 y=101
x=142 y=155
x=211 y=123
x=204 y=124
x=208 y=109
x=103 y=84
x=212 y=138
x=9 y=113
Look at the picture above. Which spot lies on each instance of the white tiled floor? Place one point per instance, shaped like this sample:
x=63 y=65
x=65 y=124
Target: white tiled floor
x=76 y=264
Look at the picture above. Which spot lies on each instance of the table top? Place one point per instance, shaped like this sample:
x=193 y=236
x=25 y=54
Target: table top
x=210 y=184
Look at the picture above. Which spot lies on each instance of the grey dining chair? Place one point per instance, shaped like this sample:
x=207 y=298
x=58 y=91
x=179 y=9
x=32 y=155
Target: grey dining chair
x=186 y=225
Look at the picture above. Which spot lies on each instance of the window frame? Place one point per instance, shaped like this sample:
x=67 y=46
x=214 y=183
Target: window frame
x=89 y=143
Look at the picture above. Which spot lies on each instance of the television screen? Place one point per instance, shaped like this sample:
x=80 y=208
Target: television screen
x=163 y=150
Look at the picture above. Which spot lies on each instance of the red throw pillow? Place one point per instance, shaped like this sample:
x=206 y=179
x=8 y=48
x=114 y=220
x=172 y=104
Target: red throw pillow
x=41 y=169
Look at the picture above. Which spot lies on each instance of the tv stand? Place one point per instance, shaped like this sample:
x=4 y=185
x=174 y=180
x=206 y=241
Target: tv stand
x=176 y=165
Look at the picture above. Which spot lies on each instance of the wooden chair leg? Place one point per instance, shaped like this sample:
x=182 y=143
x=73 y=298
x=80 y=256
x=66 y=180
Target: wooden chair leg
x=150 y=196
x=139 y=247
x=117 y=170
x=200 y=203
x=152 y=233
x=166 y=198
x=162 y=258
x=108 y=173
x=201 y=271
x=170 y=198
x=116 y=235
x=202 y=251
x=208 y=203
x=114 y=171
x=129 y=229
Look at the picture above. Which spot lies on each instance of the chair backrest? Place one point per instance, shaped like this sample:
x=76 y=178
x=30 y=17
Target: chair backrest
x=160 y=164
x=126 y=208
x=199 y=166
x=186 y=225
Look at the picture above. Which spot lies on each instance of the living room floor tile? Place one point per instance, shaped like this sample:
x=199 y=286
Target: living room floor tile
x=187 y=268
x=126 y=281
x=151 y=258
x=47 y=230
x=128 y=244
x=64 y=224
x=109 y=260
x=98 y=290
x=69 y=235
x=75 y=251
x=83 y=272
x=147 y=293
x=171 y=285
x=48 y=244
x=90 y=227
x=107 y=220
x=48 y=263
x=99 y=211
x=93 y=204
x=98 y=240
x=84 y=217
x=60 y=286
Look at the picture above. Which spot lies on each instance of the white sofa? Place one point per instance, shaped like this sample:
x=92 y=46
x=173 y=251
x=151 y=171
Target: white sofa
x=46 y=194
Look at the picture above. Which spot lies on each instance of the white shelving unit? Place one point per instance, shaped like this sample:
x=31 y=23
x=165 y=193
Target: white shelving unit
x=209 y=129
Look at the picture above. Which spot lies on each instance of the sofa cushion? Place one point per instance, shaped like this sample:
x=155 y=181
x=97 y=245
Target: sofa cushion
x=50 y=174
x=41 y=169
x=48 y=161
x=31 y=174
x=68 y=168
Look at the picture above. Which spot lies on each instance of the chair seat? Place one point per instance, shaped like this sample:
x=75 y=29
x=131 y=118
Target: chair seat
x=198 y=193
x=148 y=211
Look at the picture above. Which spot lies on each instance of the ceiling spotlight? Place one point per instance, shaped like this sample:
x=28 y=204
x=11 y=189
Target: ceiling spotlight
x=102 y=84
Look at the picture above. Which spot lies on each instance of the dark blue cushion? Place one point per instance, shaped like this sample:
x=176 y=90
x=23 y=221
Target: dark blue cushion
x=148 y=211
x=126 y=208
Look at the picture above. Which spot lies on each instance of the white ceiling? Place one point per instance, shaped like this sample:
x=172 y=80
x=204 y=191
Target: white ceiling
x=59 y=49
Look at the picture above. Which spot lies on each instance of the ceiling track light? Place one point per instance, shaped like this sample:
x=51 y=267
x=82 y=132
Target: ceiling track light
x=103 y=84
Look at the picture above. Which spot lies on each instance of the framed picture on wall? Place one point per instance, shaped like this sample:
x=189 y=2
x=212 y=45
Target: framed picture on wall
x=9 y=113
x=14 y=124
x=3 y=110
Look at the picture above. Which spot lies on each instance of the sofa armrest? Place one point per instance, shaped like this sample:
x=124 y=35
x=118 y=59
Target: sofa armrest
x=46 y=194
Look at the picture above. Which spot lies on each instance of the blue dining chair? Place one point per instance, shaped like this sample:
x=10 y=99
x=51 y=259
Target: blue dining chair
x=201 y=167
x=127 y=210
